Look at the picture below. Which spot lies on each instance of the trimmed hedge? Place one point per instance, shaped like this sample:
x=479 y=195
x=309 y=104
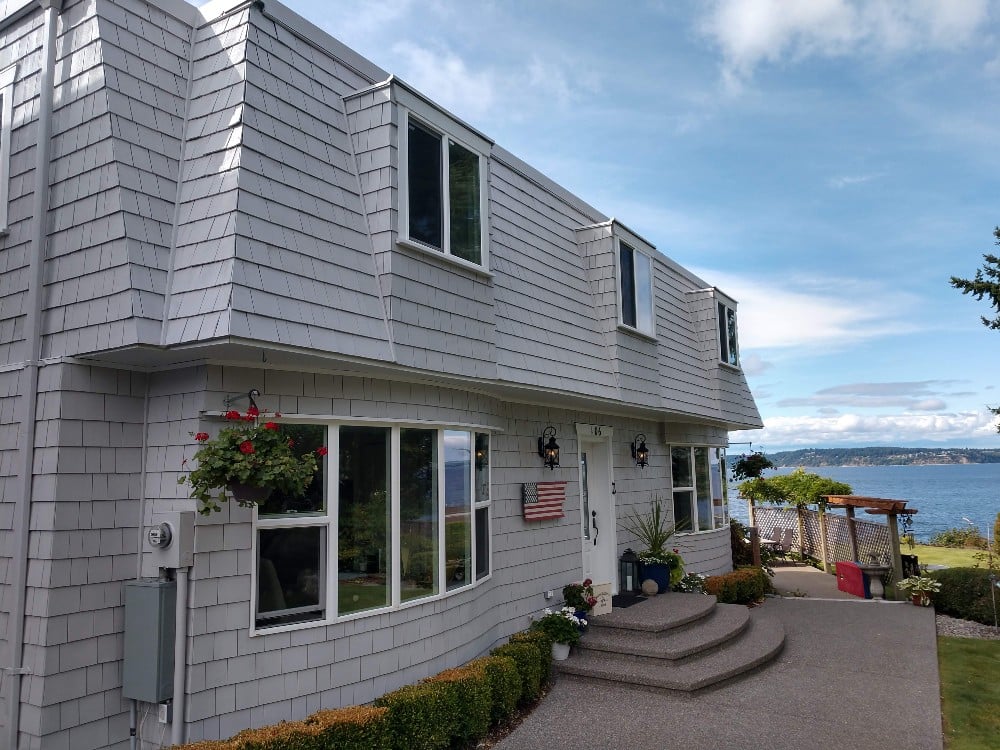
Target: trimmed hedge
x=965 y=593
x=453 y=709
x=353 y=727
x=529 y=666
x=742 y=586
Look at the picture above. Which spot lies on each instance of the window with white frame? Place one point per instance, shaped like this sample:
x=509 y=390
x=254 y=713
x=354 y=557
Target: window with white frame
x=445 y=186
x=395 y=514
x=635 y=287
x=698 y=488
x=729 y=350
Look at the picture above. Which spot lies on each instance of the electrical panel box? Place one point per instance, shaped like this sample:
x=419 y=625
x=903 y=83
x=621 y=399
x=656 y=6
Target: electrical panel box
x=148 y=670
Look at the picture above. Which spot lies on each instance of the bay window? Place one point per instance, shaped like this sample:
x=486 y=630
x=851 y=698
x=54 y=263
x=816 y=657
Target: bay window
x=394 y=515
x=698 y=488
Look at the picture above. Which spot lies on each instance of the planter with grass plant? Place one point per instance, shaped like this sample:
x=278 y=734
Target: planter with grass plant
x=662 y=565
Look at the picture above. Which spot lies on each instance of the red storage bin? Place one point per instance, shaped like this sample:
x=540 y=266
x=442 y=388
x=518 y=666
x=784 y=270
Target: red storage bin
x=851 y=580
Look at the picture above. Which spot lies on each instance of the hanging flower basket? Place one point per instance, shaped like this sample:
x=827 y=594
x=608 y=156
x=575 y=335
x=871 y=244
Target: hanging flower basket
x=248 y=460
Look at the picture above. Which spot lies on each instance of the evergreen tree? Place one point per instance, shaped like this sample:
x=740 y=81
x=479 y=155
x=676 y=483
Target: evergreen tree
x=986 y=283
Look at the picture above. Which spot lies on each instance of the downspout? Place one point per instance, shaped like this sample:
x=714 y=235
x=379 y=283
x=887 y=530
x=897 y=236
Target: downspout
x=180 y=657
x=28 y=390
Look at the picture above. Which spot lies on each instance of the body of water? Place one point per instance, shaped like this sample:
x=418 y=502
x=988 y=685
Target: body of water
x=942 y=493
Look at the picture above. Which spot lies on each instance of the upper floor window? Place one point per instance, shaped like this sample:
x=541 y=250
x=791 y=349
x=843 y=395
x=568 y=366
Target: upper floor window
x=635 y=274
x=7 y=76
x=445 y=190
x=729 y=350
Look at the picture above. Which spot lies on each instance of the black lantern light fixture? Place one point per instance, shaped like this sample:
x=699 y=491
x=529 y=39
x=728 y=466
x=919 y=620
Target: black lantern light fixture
x=639 y=451
x=628 y=573
x=549 y=451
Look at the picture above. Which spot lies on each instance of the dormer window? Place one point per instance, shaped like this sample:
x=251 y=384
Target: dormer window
x=445 y=188
x=729 y=350
x=635 y=287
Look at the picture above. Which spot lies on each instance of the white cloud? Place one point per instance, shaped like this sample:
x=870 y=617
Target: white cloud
x=812 y=312
x=843 y=181
x=753 y=364
x=843 y=429
x=446 y=79
x=750 y=32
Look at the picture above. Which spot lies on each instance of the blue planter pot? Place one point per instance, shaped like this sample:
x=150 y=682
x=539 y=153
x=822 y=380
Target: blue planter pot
x=659 y=572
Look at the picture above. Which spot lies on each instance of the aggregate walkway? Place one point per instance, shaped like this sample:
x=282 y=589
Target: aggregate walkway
x=852 y=676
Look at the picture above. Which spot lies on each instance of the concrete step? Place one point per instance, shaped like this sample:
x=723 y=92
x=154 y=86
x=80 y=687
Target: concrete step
x=721 y=625
x=658 y=613
x=760 y=642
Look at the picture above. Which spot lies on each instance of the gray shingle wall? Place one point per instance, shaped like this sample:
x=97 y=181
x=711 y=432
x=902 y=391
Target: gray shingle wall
x=19 y=43
x=545 y=311
x=82 y=544
x=204 y=243
x=9 y=489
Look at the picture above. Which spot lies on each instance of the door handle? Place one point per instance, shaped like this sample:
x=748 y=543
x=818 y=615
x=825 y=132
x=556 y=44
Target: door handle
x=593 y=522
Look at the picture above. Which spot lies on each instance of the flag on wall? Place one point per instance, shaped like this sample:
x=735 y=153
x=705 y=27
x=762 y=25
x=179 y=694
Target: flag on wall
x=543 y=500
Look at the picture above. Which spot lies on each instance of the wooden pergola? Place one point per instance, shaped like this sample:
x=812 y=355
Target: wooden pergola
x=876 y=506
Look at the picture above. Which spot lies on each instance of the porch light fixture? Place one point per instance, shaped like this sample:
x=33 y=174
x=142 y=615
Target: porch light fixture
x=628 y=572
x=639 y=451
x=549 y=451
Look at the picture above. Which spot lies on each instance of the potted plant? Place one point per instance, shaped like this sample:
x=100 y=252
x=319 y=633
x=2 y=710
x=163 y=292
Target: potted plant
x=249 y=460
x=919 y=589
x=562 y=628
x=664 y=566
x=580 y=596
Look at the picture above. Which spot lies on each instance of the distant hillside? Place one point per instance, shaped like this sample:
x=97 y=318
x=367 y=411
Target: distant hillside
x=884 y=456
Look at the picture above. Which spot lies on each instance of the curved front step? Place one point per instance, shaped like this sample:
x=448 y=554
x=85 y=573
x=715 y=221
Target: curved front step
x=759 y=643
x=658 y=613
x=723 y=623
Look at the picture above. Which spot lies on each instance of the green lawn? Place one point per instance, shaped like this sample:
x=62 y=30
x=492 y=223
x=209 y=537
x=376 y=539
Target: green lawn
x=953 y=557
x=970 y=692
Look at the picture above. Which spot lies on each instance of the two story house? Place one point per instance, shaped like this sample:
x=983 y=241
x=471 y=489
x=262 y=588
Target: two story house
x=197 y=203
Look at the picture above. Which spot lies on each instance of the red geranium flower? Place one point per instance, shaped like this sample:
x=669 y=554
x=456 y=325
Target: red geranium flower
x=277 y=415
x=291 y=443
x=322 y=450
x=201 y=437
x=592 y=600
x=676 y=551
x=270 y=425
x=253 y=411
x=233 y=414
x=246 y=447
x=587 y=582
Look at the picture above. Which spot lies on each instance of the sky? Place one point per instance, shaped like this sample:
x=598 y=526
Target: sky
x=830 y=164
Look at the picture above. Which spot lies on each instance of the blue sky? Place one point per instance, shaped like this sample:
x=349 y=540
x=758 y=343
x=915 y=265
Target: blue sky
x=828 y=163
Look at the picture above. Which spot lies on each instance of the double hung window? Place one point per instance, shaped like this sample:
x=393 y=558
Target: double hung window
x=395 y=514
x=729 y=350
x=445 y=189
x=698 y=487
x=7 y=76
x=635 y=286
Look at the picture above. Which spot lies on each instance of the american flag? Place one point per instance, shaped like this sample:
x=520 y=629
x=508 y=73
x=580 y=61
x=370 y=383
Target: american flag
x=543 y=500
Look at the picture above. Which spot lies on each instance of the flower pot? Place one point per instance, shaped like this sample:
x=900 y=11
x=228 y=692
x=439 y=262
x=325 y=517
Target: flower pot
x=659 y=572
x=921 y=600
x=560 y=651
x=582 y=614
x=248 y=493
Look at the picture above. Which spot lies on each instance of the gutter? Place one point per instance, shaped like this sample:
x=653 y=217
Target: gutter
x=28 y=390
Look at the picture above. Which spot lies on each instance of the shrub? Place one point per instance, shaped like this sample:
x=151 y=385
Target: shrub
x=528 y=661
x=467 y=698
x=419 y=716
x=288 y=735
x=965 y=593
x=543 y=642
x=353 y=728
x=742 y=586
x=205 y=745
x=963 y=536
x=505 y=685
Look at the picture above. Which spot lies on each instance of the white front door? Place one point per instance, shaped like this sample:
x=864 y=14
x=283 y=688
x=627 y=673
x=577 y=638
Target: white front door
x=597 y=506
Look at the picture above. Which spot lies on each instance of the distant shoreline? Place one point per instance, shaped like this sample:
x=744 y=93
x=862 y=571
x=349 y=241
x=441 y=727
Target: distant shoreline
x=883 y=456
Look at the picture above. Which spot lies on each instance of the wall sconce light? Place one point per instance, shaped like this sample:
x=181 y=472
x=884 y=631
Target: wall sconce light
x=549 y=451
x=639 y=451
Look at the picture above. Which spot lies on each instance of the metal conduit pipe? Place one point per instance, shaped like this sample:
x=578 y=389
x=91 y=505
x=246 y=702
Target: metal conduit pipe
x=180 y=657
x=28 y=390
